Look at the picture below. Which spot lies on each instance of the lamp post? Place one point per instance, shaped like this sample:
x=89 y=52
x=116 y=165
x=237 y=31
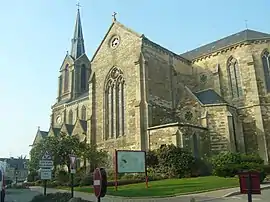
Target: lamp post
x=16 y=175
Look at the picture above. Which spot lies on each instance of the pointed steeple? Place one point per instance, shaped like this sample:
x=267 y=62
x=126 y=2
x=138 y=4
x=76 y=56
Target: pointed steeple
x=77 y=43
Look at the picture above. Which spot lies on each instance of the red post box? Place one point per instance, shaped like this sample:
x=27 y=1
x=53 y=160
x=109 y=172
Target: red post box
x=250 y=177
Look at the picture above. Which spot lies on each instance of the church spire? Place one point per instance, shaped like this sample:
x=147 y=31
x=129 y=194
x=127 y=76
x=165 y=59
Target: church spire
x=77 y=43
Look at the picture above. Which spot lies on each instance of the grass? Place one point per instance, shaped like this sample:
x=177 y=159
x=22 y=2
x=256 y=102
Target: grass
x=169 y=187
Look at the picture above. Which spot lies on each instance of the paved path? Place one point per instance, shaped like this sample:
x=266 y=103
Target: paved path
x=20 y=195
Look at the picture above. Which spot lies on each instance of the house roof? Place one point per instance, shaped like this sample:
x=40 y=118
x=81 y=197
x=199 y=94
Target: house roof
x=227 y=41
x=16 y=162
x=209 y=96
x=44 y=134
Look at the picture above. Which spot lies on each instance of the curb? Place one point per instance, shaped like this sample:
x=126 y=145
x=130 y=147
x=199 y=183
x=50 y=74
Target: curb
x=235 y=193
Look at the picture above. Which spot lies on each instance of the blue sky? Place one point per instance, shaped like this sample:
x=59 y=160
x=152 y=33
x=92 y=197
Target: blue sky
x=36 y=34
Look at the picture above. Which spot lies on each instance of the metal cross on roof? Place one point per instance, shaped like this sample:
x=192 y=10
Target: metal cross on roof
x=114 y=16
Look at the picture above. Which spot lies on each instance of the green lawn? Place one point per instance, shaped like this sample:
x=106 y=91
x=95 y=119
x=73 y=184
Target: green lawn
x=170 y=187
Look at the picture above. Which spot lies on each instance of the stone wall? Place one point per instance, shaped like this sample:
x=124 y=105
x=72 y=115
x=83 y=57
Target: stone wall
x=218 y=128
x=163 y=134
x=252 y=114
x=63 y=111
x=126 y=57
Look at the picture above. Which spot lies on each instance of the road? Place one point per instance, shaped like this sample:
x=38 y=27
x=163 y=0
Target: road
x=19 y=195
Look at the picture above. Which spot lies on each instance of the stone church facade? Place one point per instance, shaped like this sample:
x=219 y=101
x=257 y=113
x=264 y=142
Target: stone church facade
x=135 y=94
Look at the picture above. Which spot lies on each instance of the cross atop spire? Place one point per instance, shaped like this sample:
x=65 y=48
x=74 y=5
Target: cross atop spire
x=77 y=43
x=78 y=5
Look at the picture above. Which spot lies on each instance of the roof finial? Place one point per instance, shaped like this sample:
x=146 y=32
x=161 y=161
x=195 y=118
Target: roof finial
x=78 y=5
x=114 y=16
x=246 y=24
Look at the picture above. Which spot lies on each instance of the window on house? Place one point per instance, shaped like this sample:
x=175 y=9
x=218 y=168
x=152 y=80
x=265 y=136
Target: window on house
x=234 y=78
x=114 y=104
x=66 y=79
x=83 y=78
x=83 y=113
x=266 y=69
x=70 y=117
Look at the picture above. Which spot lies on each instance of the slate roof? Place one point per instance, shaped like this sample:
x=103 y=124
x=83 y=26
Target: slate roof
x=69 y=128
x=56 y=131
x=16 y=162
x=43 y=133
x=84 y=125
x=86 y=94
x=209 y=96
x=227 y=41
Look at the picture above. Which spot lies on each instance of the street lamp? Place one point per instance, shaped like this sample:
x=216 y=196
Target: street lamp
x=16 y=175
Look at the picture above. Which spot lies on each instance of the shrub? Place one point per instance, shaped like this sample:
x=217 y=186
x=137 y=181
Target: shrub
x=56 y=197
x=62 y=176
x=32 y=176
x=175 y=161
x=154 y=174
x=230 y=164
x=125 y=182
x=86 y=180
x=53 y=184
x=266 y=169
x=29 y=184
x=152 y=159
x=38 y=182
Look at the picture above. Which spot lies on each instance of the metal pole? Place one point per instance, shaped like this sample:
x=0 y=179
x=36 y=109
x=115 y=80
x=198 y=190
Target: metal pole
x=249 y=188
x=45 y=187
x=72 y=185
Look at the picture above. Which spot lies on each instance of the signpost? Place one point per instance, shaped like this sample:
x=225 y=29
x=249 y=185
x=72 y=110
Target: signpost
x=73 y=160
x=45 y=165
x=100 y=183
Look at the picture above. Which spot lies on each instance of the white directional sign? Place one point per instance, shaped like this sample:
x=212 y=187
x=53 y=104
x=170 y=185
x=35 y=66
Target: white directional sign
x=45 y=164
x=46 y=161
x=46 y=174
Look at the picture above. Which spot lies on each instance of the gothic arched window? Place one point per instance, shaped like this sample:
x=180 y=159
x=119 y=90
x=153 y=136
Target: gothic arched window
x=83 y=113
x=114 y=123
x=66 y=78
x=234 y=78
x=83 y=78
x=70 y=117
x=266 y=69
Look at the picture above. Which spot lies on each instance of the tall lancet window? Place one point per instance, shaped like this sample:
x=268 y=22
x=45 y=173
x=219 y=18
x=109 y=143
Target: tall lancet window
x=234 y=78
x=83 y=113
x=83 y=78
x=70 y=117
x=266 y=69
x=114 y=99
x=66 y=79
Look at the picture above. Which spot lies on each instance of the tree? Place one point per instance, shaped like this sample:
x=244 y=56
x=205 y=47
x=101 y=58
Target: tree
x=61 y=147
x=95 y=158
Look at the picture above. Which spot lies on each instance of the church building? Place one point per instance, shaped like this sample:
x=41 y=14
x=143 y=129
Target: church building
x=134 y=94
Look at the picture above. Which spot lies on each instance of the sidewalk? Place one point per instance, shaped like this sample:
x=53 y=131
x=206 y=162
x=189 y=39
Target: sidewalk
x=206 y=196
